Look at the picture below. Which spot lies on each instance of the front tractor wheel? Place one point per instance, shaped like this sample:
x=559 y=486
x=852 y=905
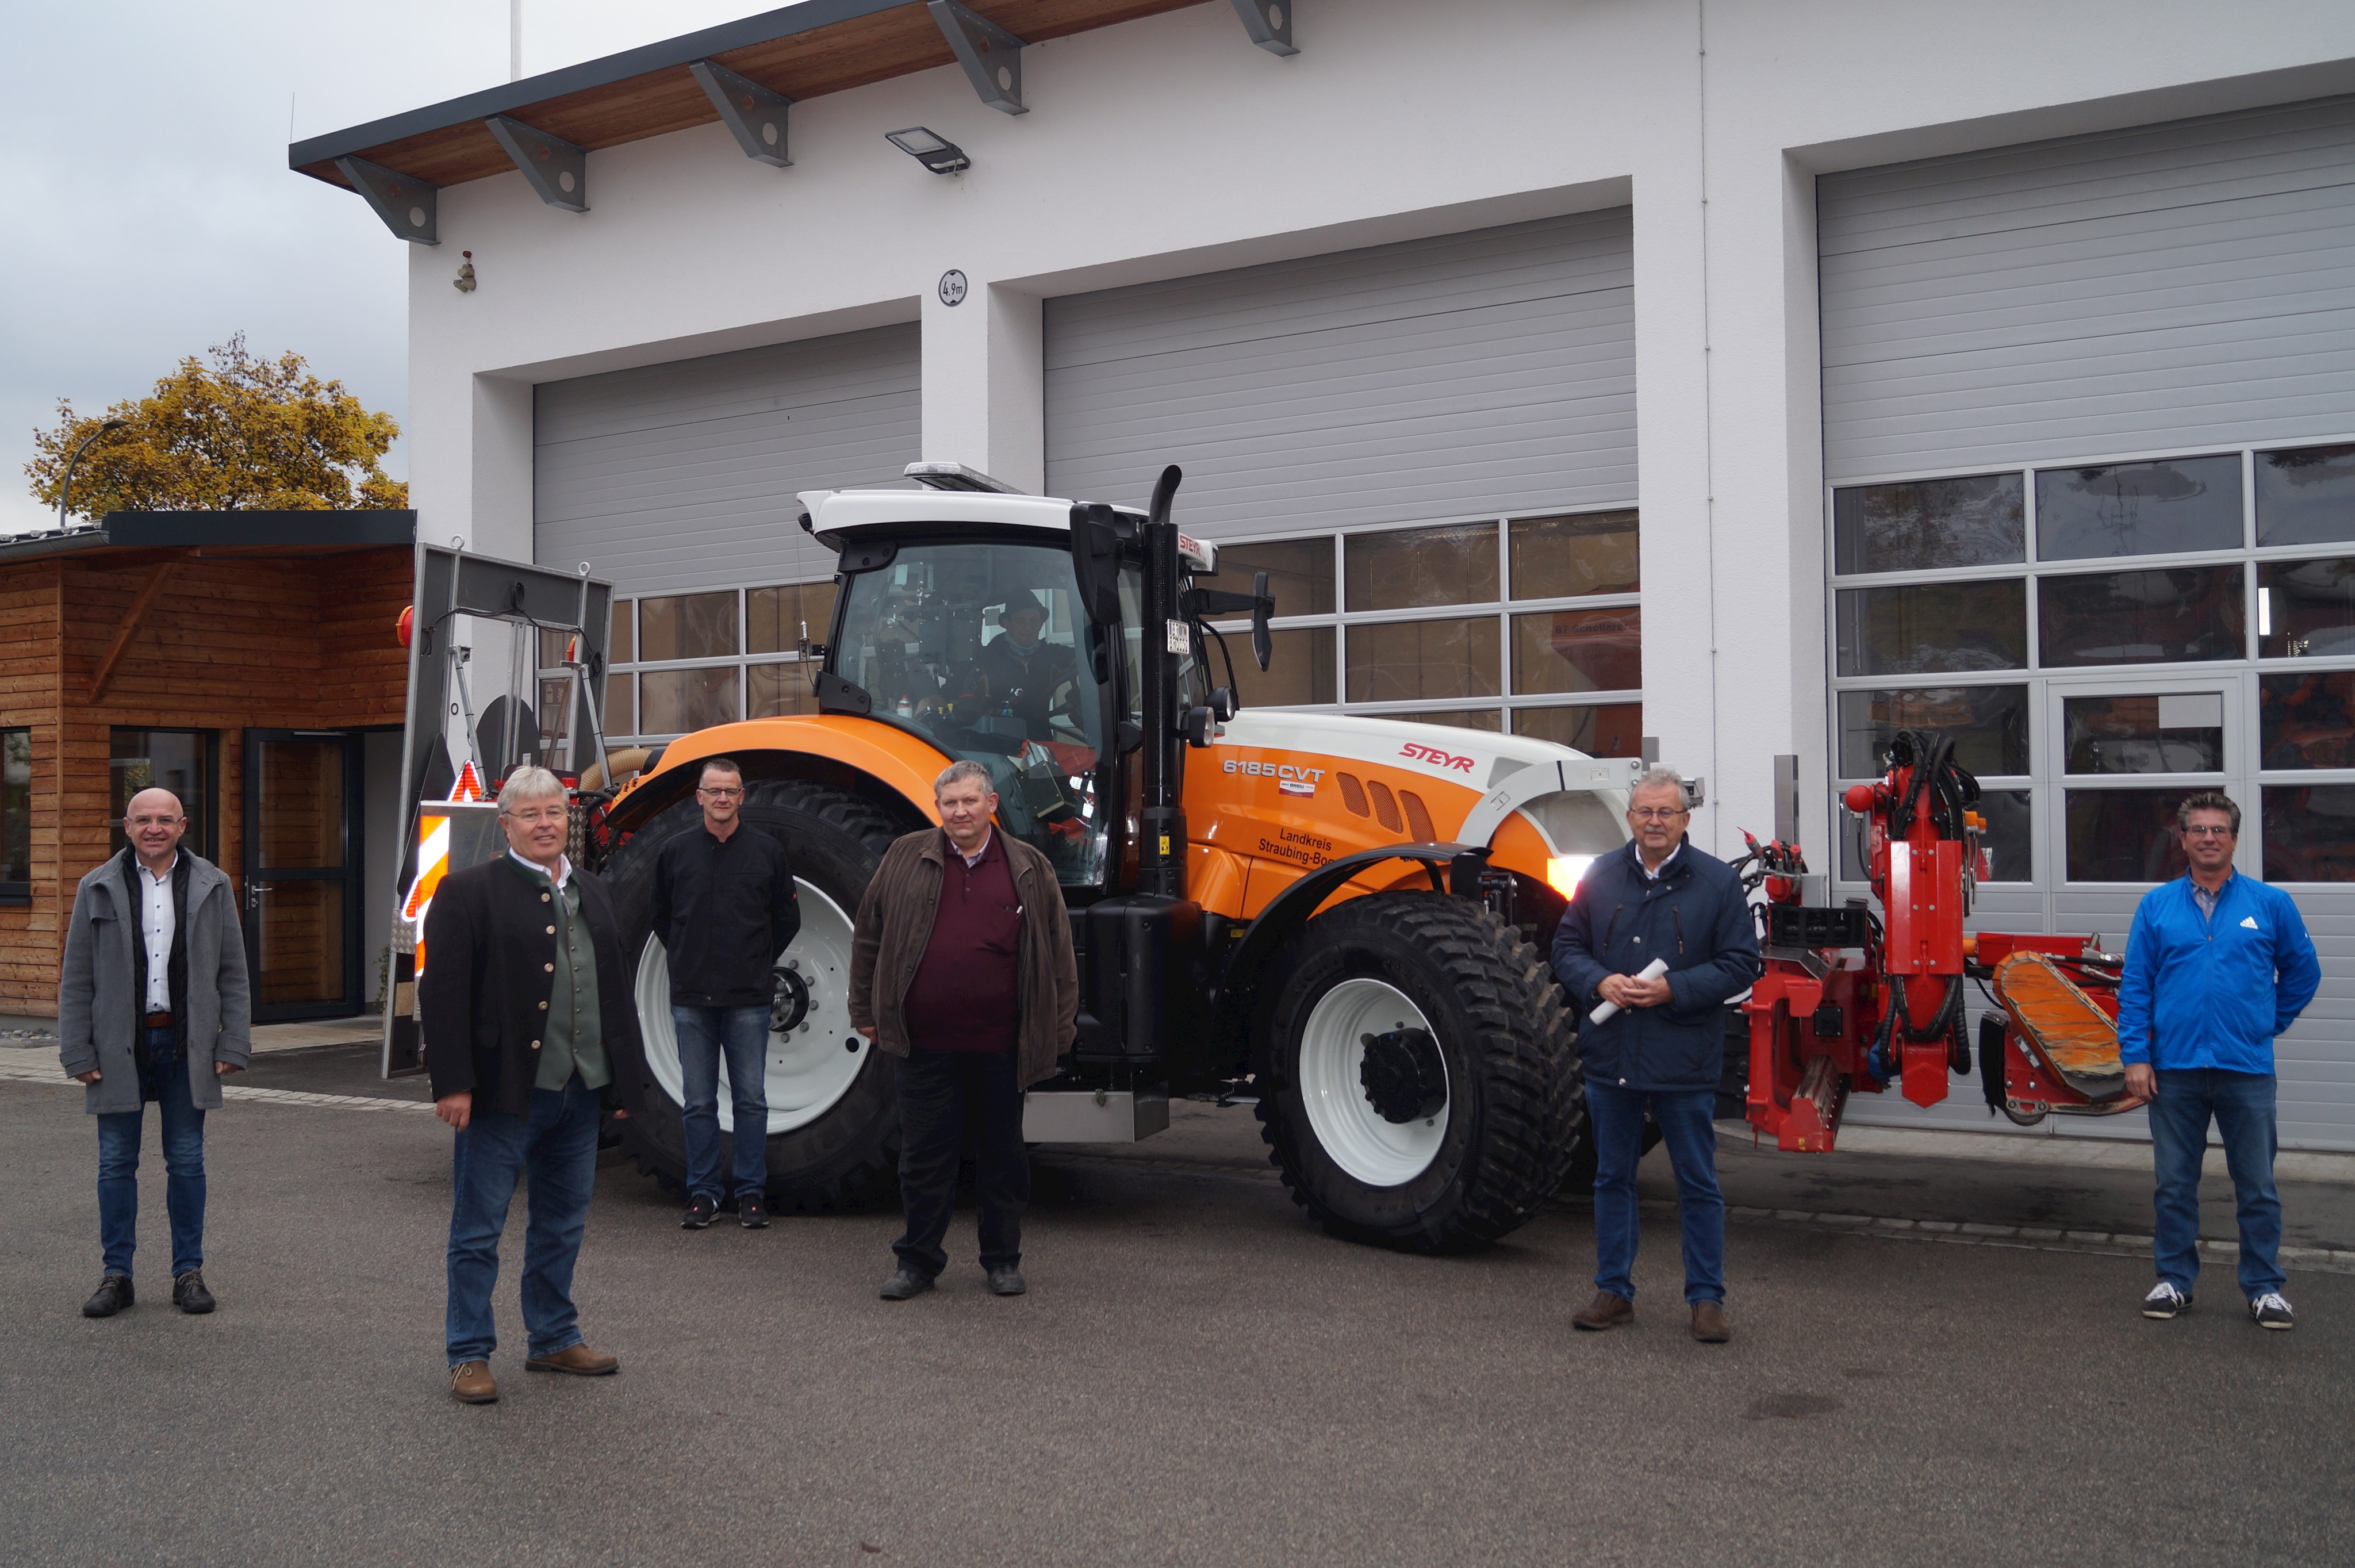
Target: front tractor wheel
x=1419 y=1077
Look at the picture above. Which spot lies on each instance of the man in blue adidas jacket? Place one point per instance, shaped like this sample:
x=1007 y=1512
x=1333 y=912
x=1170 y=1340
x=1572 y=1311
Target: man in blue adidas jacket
x=1665 y=1049
x=2217 y=964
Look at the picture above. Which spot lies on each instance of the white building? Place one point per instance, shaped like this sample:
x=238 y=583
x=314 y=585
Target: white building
x=1924 y=314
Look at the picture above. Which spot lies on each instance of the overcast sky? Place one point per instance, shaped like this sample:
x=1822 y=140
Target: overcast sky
x=150 y=212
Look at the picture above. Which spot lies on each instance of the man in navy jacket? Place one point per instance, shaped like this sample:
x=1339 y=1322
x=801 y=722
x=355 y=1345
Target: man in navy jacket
x=1662 y=898
x=2217 y=964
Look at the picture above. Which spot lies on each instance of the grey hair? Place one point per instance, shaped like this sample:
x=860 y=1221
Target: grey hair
x=2208 y=800
x=1656 y=776
x=958 y=772
x=527 y=784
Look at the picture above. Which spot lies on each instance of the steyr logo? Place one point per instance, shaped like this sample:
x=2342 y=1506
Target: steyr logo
x=1436 y=758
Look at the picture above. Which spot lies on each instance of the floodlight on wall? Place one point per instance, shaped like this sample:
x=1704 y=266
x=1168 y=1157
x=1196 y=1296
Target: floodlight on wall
x=937 y=154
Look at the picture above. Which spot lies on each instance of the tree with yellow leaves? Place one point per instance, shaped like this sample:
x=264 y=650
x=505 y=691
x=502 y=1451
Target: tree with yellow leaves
x=239 y=433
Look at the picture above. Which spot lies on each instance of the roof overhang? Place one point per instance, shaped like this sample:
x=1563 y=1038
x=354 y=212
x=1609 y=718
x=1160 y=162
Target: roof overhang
x=223 y=534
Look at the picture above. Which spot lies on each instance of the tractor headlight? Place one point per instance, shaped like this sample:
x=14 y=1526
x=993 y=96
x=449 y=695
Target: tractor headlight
x=1563 y=871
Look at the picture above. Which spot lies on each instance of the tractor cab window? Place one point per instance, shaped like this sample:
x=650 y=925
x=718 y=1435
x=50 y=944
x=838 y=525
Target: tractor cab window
x=980 y=648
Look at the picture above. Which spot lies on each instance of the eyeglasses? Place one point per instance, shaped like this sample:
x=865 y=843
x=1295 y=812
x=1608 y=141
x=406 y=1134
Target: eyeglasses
x=549 y=814
x=1656 y=813
x=2207 y=832
x=720 y=793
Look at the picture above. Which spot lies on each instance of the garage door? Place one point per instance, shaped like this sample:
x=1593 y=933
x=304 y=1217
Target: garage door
x=682 y=475
x=2089 y=420
x=1470 y=373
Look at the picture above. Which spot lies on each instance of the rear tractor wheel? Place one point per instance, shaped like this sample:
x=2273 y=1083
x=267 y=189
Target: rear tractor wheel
x=1419 y=1077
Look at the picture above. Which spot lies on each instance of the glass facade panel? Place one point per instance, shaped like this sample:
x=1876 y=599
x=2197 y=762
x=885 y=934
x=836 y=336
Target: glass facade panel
x=624 y=635
x=1577 y=650
x=2305 y=609
x=2141 y=617
x=621 y=705
x=1488 y=718
x=1299 y=669
x=2125 y=834
x=1299 y=572
x=1989 y=724
x=2166 y=733
x=1933 y=628
x=687 y=626
x=2307 y=720
x=1560 y=558
x=1606 y=729
x=1409 y=567
x=2138 y=508
x=2305 y=497
x=776 y=619
x=1408 y=661
x=16 y=812
x=2310 y=833
x=2009 y=838
x=679 y=700
x=778 y=690
x=1929 y=525
x=176 y=760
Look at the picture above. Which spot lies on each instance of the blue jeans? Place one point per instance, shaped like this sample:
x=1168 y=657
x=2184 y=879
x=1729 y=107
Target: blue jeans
x=1614 y=1118
x=2242 y=1106
x=743 y=1034
x=557 y=1144
x=166 y=1072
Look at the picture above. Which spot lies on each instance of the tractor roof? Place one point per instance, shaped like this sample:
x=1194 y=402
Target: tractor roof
x=837 y=511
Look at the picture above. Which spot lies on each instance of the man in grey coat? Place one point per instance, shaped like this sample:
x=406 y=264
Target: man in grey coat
x=153 y=1004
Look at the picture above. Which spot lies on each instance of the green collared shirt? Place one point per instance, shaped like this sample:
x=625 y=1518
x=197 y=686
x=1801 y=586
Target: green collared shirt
x=574 y=1036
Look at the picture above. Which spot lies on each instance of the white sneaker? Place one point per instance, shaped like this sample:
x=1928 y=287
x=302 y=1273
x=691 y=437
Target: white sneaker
x=2165 y=1301
x=2271 y=1311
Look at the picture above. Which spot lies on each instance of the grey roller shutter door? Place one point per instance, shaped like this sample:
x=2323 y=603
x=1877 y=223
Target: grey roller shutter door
x=683 y=475
x=1480 y=372
x=2153 y=288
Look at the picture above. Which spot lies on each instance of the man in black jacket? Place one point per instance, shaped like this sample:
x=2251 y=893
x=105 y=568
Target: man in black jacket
x=1658 y=901
x=529 y=1019
x=725 y=910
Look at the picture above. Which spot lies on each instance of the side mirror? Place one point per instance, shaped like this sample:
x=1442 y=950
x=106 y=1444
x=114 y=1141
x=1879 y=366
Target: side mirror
x=1095 y=560
x=1263 y=606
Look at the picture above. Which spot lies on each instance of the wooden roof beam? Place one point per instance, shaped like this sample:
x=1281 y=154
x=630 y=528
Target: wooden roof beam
x=151 y=591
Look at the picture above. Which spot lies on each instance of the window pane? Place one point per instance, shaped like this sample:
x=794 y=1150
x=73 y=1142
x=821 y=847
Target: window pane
x=1299 y=572
x=621 y=714
x=300 y=937
x=2175 y=733
x=1413 y=567
x=2141 y=617
x=1555 y=558
x=1933 y=628
x=775 y=691
x=2007 y=840
x=2138 y=508
x=2310 y=833
x=690 y=626
x=1929 y=525
x=2307 y=720
x=2305 y=609
x=1578 y=650
x=555 y=719
x=1299 y=670
x=2125 y=835
x=1488 y=718
x=551 y=647
x=2305 y=497
x=624 y=633
x=1989 y=724
x=776 y=618
x=679 y=700
x=1607 y=730
x=15 y=805
x=1408 y=661
x=159 y=759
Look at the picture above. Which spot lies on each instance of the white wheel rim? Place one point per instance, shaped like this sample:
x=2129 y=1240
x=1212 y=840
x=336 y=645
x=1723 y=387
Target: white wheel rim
x=809 y=1070
x=1377 y=1152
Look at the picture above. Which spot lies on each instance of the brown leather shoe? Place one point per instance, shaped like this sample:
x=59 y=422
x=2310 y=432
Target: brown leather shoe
x=578 y=1360
x=471 y=1383
x=1607 y=1311
x=1708 y=1324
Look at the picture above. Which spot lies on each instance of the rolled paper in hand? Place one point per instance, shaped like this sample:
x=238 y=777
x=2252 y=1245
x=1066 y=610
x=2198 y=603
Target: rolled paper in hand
x=1606 y=1011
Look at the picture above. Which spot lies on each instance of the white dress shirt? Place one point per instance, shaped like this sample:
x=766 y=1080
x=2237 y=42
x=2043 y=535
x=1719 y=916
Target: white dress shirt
x=563 y=868
x=157 y=922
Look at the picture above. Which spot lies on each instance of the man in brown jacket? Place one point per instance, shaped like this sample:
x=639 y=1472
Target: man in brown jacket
x=961 y=967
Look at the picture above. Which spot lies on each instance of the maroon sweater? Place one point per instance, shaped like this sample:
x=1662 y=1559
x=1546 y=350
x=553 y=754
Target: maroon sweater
x=966 y=994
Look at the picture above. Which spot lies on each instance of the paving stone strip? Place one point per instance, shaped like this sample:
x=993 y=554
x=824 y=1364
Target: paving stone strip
x=15 y=1072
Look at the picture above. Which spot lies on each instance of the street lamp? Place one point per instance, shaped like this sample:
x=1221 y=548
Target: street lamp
x=935 y=151
x=65 y=489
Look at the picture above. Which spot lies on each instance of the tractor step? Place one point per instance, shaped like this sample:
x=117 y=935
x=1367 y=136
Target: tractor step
x=1094 y=1116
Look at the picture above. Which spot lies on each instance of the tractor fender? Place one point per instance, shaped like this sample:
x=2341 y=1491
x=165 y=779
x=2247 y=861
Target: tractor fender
x=860 y=754
x=1290 y=910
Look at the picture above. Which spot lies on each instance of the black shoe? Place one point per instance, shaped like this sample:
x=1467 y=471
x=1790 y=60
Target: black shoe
x=899 y=1287
x=2271 y=1311
x=189 y=1295
x=1006 y=1280
x=699 y=1213
x=752 y=1211
x=2165 y=1301
x=113 y=1295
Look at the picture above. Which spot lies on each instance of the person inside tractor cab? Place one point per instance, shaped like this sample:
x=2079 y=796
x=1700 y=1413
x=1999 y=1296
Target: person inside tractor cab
x=1026 y=673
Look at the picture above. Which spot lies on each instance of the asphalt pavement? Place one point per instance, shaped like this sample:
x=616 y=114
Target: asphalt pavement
x=1197 y=1376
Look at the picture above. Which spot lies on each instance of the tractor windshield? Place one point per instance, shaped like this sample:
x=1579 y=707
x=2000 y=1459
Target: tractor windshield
x=979 y=648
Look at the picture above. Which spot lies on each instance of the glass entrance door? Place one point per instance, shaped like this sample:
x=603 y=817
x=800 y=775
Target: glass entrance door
x=301 y=843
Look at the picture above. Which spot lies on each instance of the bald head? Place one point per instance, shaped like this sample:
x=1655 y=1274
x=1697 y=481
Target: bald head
x=154 y=822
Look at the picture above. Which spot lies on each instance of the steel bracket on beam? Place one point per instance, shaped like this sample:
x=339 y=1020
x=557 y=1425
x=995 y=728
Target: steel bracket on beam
x=753 y=113
x=991 y=56
x=1269 y=23
x=405 y=203
x=556 y=169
